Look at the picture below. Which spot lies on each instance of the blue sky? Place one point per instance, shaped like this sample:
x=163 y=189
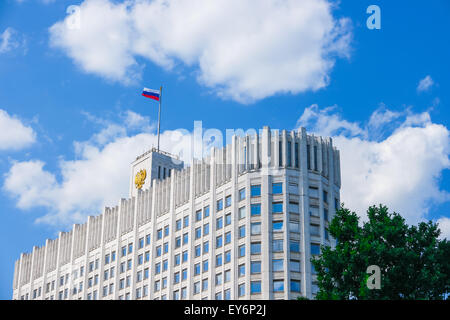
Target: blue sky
x=71 y=113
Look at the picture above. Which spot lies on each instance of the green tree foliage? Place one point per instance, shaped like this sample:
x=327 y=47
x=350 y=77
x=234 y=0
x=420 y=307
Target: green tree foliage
x=414 y=263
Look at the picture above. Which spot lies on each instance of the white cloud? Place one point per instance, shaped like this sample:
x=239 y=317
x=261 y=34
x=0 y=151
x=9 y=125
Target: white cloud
x=98 y=176
x=10 y=40
x=400 y=170
x=243 y=50
x=425 y=84
x=444 y=225
x=14 y=135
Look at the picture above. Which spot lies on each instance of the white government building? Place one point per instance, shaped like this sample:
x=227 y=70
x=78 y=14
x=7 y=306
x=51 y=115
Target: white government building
x=241 y=223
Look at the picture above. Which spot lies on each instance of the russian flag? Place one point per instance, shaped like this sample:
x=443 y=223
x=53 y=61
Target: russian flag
x=150 y=93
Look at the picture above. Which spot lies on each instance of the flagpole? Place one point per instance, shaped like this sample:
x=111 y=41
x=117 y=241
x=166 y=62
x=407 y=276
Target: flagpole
x=159 y=112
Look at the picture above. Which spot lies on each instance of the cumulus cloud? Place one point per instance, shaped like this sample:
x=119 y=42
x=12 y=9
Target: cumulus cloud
x=10 y=40
x=14 y=135
x=241 y=49
x=425 y=84
x=444 y=226
x=98 y=176
x=400 y=168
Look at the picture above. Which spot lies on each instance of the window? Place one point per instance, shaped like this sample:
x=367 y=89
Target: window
x=241 y=194
x=315 y=249
x=206 y=229
x=293 y=207
x=122 y=267
x=186 y=221
x=277 y=245
x=147 y=256
x=165 y=265
x=294 y=226
x=325 y=231
x=315 y=158
x=255 y=287
x=219 y=242
x=242 y=251
x=241 y=231
x=255 y=209
x=295 y=285
x=228 y=219
x=184 y=274
x=336 y=204
x=177 y=242
x=280 y=153
x=219 y=223
x=141 y=243
x=219 y=296
x=159 y=234
x=158 y=268
x=146 y=273
x=107 y=258
x=205 y=284
x=256 y=228
x=176 y=295
x=185 y=238
x=140 y=259
x=198 y=233
x=177 y=259
x=113 y=258
x=198 y=215
x=198 y=250
x=294 y=246
x=157 y=285
x=277 y=226
x=227 y=294
x=277 y=207
x=255 y=190
x=277 y=188
x=218 y=279
x=185 y=256
x=139 y=276
x=325 y=214
x=129 y=264
x=325 y=196
x=241 y=290
x=315 y=231
x=296 y=155
x=176 y=277
x=206 y=212
x=130 y=248
x=241 y=270
x=228 y=256
x=241 y=213
x=219 y=204
x=178 y=225
x=205 y=265
x=227 y=201
x=166 y=247
x=255 y=267
x=277 y=265
x=255 y=248
x=313 y=269
x=158 y=251
x=218 y=260
x=289 y=154
x=228 y=237
x=227 y=276
x=124 y=253
x=278 y=285
x=205 y=247
x=197 y=287
x=166 y=231
x=294 y=265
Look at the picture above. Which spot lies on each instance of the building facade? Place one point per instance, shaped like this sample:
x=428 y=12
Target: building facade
x=241 y=223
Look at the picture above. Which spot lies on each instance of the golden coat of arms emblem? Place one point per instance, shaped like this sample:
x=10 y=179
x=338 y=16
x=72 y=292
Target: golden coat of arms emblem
x=139 y=180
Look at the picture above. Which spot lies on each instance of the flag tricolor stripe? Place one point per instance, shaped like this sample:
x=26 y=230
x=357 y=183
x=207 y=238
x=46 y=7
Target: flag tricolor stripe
x=150 y=93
